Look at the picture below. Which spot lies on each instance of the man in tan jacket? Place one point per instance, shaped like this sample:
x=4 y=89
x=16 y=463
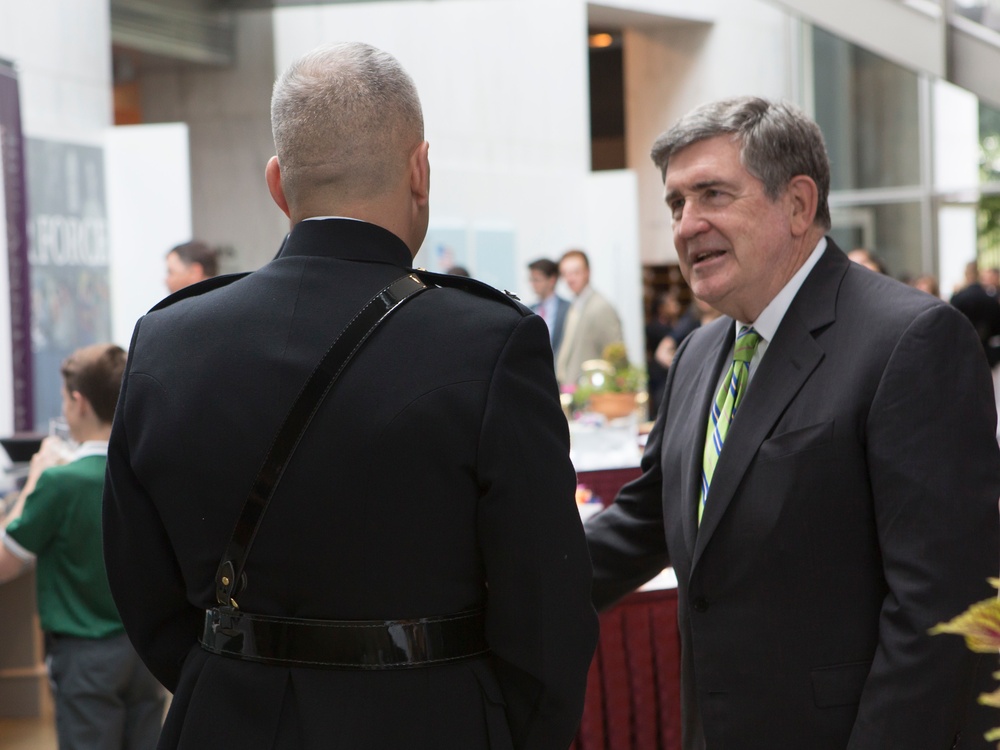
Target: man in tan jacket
x=591 y=323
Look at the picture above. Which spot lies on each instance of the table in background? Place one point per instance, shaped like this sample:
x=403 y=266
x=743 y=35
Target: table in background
x=633 y=688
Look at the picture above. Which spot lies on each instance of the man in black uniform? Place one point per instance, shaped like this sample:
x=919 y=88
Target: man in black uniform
x=420 y=577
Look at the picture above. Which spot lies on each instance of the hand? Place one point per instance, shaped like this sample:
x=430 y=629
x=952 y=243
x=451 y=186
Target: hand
x=665 y=351
x=52 y=452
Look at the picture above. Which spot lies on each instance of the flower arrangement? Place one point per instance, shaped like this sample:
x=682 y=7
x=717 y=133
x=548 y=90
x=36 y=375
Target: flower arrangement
x=613 y=373
x=980 y=624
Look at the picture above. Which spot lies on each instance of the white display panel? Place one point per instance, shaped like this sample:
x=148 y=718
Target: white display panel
x=149 y=211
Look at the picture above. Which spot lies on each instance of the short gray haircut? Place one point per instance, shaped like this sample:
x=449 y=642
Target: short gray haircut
x=777 y=142
x=346 y=117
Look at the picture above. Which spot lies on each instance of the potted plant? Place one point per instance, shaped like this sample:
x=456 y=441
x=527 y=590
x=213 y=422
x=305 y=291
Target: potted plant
x=610 y=385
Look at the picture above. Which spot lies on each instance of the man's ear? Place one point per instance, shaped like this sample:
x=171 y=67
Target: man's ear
x=80 y=402
x=272 y=174
x=420 y=174
x=803 y=197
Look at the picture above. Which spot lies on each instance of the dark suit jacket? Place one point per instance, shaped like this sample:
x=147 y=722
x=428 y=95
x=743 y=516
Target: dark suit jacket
x=853 y=507
x=558 y=325
x=434 y=479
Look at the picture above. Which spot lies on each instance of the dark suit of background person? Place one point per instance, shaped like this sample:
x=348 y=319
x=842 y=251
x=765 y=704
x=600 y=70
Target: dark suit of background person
x=557 y=327
x=983 y=310
x=544 y=274
x=854 y=504
x=434 y=478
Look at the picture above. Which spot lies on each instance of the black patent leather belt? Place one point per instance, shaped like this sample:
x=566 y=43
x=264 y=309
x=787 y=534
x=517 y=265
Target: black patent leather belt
x=345 y=644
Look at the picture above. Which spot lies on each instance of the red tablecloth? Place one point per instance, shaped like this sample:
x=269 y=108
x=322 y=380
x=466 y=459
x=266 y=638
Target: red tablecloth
x=633 y=688
x=606 y=482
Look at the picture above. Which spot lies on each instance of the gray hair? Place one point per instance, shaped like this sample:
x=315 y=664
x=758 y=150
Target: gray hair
x=777 y=142
x=346 y=117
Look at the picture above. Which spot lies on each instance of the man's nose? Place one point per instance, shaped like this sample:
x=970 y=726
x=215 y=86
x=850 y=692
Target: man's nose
x=691 y=221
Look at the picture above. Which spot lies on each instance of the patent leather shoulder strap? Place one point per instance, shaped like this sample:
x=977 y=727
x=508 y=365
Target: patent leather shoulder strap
x=230 y=579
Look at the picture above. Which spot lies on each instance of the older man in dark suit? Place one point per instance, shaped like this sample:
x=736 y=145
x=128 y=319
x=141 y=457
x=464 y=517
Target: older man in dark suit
x=823 y=474
x=420 y=577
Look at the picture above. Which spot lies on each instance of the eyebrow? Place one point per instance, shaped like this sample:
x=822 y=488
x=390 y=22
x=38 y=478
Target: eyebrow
x=696 y=188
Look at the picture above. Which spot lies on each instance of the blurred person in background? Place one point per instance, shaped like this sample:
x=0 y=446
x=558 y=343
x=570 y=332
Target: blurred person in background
x=105 y=697
x=868 y=259
x=550 y=307
x=189 y=263
x=927 y=283
x=672 y=323
x=459 y=271
x=591 y=322
x=978 y=302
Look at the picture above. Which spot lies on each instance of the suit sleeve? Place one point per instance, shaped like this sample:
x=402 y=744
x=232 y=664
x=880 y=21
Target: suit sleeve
x=626 y=540
x=145 y=579
x=934 y=468
x=541 y=625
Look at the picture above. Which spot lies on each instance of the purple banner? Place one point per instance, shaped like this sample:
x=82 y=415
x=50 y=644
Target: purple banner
x=15 y=194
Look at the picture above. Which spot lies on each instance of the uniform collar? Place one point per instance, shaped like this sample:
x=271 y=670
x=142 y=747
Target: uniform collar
x=346 y=239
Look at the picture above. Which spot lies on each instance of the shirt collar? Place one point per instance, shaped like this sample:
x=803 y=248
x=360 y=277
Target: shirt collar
x=90 y=448
x=771 y=316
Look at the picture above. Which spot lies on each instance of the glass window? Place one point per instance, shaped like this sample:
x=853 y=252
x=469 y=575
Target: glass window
x=989 y=144
x=868 y=109
x=890 y=230
x=988 y=220
x=985 y=12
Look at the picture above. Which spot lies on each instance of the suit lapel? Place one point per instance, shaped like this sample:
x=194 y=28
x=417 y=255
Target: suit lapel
x=788 y=362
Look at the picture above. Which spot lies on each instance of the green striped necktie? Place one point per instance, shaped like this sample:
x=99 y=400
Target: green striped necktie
x=724 y=409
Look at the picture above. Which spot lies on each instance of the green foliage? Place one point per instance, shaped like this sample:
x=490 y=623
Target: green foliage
x=989 y=172
x=614 y=375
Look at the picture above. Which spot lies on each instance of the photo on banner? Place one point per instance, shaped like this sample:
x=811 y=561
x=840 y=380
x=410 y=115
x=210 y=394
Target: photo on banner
x=70 y=294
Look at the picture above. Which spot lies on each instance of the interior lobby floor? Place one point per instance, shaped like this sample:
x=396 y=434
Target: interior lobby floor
x=27 y=734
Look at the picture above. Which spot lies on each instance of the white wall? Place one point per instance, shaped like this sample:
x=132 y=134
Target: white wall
x=227 y=111
x=62 y=51
x=144 y=223
x=613 y=224
x=896 y=30
x=957 y=246
x=503 y=85
x=955 y=130
x=673 y=66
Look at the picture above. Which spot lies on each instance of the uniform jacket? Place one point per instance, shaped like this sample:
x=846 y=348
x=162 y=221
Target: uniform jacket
x=854 y=506
x=434 y=479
